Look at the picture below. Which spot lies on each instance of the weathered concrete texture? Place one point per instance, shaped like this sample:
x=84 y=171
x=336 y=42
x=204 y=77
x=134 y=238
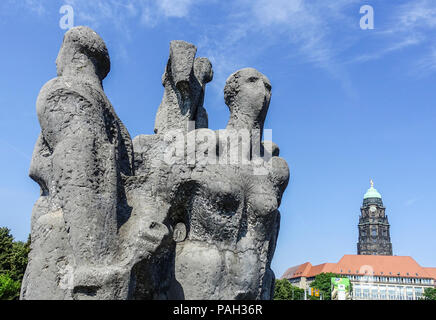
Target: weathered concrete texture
x=81 y=159
x=184 y=80
x=152 y=218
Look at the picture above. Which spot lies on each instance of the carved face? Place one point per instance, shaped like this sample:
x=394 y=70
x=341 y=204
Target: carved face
x=254 y=92
x=248 y=93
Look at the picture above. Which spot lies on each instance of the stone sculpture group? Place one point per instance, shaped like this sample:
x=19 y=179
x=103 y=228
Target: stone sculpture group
x=162 y=216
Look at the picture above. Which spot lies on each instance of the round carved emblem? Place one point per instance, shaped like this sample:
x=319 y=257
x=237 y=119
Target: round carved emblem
x=179 y=233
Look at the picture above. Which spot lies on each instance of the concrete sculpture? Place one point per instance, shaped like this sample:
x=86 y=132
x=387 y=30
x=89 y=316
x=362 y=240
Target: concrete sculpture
x=185 y=213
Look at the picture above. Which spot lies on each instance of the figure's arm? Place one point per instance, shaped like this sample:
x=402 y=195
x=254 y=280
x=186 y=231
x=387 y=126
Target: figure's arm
x=40 y=167
x=279 y=176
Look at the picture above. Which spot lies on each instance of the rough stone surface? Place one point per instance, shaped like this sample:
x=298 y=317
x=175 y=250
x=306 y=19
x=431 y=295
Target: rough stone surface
x=184 y=80
x=174 y=215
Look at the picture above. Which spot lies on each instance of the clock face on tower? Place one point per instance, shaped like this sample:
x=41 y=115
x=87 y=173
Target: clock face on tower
x=372 y=209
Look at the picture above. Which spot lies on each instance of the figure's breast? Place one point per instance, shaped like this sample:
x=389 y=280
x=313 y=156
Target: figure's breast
x=223 y=206
x=216 y=211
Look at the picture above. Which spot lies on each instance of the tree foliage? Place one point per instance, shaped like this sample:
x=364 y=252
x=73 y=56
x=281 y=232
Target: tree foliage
x=9 y=288
x=323 y=283
x=284 y=290
x=430 y=293
x=6 y=244
x=13 y=262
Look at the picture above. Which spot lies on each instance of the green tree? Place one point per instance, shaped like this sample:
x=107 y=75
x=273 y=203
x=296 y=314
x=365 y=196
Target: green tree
x=20 y=251
x=13 y=262
x=284 y=290
x=323 y=283
x=430 y=293
x=6 y=244
x=9 y=288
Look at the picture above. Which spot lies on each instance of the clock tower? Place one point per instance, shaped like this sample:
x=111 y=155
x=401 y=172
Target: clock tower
x=374 y=236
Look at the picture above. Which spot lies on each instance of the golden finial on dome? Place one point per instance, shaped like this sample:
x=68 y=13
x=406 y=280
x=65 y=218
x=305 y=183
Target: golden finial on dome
x=372 y=183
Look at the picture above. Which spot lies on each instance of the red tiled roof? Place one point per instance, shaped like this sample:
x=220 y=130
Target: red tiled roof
x=390 y=266
x=431 y=272
x=297 y=271
x=321 y=268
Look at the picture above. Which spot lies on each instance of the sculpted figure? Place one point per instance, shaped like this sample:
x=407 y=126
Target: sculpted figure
x=155 y=181
x=79 y=160
x=230 y=211
x=184 y=80
x=150 y=219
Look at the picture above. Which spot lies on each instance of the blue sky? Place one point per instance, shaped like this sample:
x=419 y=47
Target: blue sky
x=347 y=104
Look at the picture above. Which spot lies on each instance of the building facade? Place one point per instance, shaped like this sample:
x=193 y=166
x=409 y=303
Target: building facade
x=374 y=273
x=374 y=233
x=372 y=277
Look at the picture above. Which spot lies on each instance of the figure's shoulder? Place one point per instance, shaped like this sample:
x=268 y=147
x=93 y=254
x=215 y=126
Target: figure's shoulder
x=67 y=85
x=60 y=90
x=280 y=172
x=55 y=87
x=44 y=94
x=48 y=87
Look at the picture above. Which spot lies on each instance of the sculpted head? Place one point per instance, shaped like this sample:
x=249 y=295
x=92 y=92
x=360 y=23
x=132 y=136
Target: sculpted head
x=203 y=70
x=83 y=49
x=247 y=93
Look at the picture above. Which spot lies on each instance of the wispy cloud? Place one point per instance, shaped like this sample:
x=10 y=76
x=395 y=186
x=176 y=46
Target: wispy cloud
x=395 y=46
x=252 y=27
x=419 y=19
x=317 y=32
x=416 y=14
x=147 y=12
x=175 y=8
x=16 y=150
x=301 y=23
x=35 y=6
x=410 y=24
x=410 y=202
x=425 y=65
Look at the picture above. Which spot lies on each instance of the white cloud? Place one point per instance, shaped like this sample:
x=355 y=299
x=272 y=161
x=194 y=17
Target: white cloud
x=35 y=6
x=255 y=26
x=122 y=13
x=409 y=25
x=313 y=31
x=410 y=202
x=277 y=11
x=175 y=8
x=395 y=46
x=425 y=65
x=418 y=14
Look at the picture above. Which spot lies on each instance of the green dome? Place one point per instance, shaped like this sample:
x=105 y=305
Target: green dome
x=372 y=192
